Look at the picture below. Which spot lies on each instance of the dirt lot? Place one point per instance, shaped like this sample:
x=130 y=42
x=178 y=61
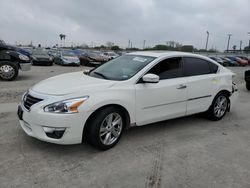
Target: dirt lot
x=185 y=152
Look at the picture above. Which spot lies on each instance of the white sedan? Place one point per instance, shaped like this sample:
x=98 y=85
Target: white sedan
x=132 y=90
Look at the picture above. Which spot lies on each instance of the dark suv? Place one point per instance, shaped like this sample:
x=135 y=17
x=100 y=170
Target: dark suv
x=11 y=61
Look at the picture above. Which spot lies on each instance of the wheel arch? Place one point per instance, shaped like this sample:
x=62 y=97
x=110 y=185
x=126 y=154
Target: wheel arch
x=118 y=106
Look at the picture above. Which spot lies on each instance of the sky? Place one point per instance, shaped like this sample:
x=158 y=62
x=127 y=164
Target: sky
x=94 y=22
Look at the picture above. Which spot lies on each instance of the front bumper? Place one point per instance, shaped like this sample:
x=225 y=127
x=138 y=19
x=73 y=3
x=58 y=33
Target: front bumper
x=42 y=62
x=25 y=66
x=34 y=121
x=71 y=62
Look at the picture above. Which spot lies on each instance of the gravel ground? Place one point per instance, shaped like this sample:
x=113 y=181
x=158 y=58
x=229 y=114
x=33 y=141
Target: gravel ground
x=185 y=152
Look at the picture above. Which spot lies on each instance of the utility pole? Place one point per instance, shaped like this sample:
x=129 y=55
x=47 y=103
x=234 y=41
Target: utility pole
x=240 y=45
x=229 y=37
x=128 y=43
x=207 y=40
x=144 y=42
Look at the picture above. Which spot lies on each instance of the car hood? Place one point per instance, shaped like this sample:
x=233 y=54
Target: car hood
x=69 y=83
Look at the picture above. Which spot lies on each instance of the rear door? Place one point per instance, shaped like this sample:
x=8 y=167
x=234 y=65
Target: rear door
x=201 y=78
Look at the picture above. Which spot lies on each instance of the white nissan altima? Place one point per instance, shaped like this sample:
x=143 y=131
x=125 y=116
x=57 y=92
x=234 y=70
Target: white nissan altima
x=132 y=90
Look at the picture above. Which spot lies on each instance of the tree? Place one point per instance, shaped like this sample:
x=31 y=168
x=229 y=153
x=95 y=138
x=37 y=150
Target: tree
x=62 y=37
x=247 y=49
x=109 y=44
x=115 y=48
x=187 y=48
x=160 y=47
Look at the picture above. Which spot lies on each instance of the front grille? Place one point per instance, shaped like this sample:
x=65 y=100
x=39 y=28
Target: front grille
x=42 y=59
x=28 y=101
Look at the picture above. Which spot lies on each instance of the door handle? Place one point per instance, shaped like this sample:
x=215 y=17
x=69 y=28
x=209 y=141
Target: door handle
x=181 y=86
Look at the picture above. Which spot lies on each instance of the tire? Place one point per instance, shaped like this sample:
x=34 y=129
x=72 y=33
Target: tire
x=219 y=107
x=8 y=70
x=100 y=133
x=248 y=86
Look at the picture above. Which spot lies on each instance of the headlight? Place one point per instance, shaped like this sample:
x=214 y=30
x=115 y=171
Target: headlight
x=33 y=57
x=67 y=106
x=51 y=58
x=24 y=57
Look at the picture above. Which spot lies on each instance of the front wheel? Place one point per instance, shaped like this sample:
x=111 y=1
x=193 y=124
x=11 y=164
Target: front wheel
x=8 y=71
x=219 y=107
x=105 y=129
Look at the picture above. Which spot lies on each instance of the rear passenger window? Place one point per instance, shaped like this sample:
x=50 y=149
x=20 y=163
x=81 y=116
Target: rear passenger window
x=168 y=68
x=213 y=67
x=195 y=66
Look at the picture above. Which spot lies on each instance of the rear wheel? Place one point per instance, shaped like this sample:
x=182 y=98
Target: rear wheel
x=105 y=128
x=219 y=107
x=8 y=71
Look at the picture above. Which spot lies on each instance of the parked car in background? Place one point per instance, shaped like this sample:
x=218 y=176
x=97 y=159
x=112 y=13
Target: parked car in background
x=229 y=62
x=241 y=61
x=135 y=89
x=92 y=58
x=247 y=79
x=111 y=55
x=15 y=48
x=233 y=59
x=11 y=62
x=67 y=57
x=53 y=52
x=245 y=58
x=84 y=59
x=219 y=60
x=41 y=57
x=28 y=49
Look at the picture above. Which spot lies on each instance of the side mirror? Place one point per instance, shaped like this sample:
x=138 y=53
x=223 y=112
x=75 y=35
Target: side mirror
x=151 y=78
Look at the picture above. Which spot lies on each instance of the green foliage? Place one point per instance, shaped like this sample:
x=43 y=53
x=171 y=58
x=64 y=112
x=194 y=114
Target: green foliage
x=115 y=48
x=187 y=48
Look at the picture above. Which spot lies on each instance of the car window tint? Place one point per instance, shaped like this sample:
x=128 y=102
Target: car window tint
x=195 y=66
x=168 y=68
x=213 y=67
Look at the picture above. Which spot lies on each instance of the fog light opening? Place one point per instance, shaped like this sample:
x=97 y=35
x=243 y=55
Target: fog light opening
x=54 y=132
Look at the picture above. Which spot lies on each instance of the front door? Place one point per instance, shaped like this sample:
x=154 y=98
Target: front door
x=163 y=100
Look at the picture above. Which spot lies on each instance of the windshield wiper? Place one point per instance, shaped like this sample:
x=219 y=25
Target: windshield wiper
x=100 y=74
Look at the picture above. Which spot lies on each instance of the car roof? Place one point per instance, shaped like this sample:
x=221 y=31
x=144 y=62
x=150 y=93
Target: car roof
x=158 y=54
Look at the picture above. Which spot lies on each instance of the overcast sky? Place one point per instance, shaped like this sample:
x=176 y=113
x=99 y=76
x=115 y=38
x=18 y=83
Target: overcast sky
x=99 y=21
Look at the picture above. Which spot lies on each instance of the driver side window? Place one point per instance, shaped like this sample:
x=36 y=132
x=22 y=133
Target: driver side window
x=168 y=68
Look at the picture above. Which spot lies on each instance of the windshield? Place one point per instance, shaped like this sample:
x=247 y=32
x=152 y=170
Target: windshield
x=121 y=68
x=68 y=53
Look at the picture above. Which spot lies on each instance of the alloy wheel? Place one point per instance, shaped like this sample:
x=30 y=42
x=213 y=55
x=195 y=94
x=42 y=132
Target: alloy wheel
x=220 y=106
x=111 y=128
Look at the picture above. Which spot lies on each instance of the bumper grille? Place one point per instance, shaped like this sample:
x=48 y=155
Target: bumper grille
x=28 y=101
x=42 y=59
